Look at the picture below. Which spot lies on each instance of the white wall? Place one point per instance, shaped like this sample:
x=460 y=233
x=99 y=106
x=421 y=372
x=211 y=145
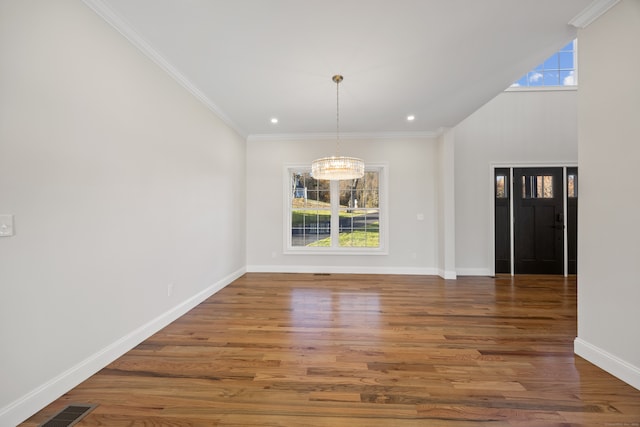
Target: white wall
x=446 y=227
x=514 y=128
x=412 y=190
x=609 y=231
x=121 y=183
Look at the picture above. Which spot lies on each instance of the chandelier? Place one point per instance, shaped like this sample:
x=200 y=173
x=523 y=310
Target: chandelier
x=337 y=167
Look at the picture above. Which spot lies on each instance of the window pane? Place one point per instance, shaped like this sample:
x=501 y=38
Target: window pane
x=551 y=78
x=310 y=226
x=535 y=78
x=359 y=212
x=308 y=192
x=360 y=193
x=539 y=189
x=568 y=78
x=566 y=60
x=298 y=189
x=360 y=228
x=547 y=187
x=572 y=186
x=351 y=193
x=551 y=63
x=501 y=188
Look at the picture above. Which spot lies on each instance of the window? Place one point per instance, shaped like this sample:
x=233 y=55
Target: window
x=335 y=216
x=501 y=187
x=310 y=210
x=359 y=210
x=572 y=185
x=537 y=187
x=558 y=70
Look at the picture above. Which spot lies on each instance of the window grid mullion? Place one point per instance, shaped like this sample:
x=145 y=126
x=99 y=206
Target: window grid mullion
x=335 y=213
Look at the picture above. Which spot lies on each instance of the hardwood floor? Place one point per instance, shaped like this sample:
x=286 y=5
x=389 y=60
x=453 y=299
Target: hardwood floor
x=363 y=350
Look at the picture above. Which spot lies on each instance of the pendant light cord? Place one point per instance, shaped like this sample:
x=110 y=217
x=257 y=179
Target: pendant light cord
x=337 y=79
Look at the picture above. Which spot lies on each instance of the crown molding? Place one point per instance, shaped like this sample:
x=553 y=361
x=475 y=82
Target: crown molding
x=106 y=13
x=592 y=12
x=343 y=136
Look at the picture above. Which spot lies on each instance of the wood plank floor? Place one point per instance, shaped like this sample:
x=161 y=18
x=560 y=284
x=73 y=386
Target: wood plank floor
x=363 y=350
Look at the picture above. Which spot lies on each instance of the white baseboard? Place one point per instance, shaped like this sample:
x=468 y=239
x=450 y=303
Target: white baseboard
x=24 y=407
x=603 y=359
x=473 y=272
x=447 y=274
x=325 y=269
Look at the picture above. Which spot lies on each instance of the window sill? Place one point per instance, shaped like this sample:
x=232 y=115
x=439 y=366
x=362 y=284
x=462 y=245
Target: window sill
x=540 y=88
x=334 y=251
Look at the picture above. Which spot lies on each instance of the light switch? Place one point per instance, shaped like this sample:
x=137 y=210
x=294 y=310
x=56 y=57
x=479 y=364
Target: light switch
x=6 y=225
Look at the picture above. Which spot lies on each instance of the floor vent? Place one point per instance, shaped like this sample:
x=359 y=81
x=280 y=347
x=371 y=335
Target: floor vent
x=69 y=416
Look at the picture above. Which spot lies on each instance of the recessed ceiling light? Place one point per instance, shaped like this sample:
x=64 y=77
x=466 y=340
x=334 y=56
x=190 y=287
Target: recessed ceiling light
x=274 y=120
x=411 y=118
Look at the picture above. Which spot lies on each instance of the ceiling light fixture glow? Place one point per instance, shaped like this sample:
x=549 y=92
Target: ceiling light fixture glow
x=411 y=118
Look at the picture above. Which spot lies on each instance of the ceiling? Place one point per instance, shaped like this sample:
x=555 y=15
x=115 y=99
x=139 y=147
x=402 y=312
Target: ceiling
x=252 y=60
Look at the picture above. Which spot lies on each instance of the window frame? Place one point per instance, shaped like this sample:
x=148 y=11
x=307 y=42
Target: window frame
x=540 y=67
x=383 y=205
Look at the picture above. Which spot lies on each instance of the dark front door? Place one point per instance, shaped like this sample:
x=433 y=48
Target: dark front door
x=539 y=222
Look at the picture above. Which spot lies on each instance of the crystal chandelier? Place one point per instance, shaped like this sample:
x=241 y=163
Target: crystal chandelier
x=337 y=167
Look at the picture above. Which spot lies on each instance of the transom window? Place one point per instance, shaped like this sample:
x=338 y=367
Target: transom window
x=329 y=216
x=558 y=70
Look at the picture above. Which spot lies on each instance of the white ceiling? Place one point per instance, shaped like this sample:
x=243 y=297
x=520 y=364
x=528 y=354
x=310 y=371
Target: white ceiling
x=251 y=60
